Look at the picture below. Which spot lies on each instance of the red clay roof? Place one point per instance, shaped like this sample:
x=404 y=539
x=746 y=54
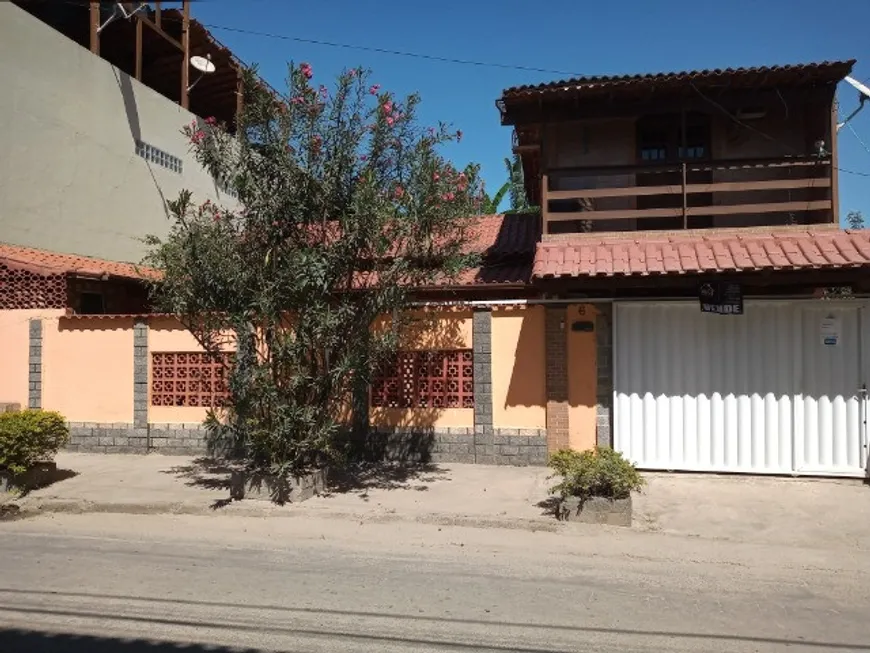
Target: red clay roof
x=495 y=237
x=505 y=235
x=44 y=262
x=794 y=74
x=699 y=253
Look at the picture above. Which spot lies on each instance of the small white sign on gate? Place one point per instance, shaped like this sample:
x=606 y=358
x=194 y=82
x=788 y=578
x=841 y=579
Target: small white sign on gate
x=830 y=331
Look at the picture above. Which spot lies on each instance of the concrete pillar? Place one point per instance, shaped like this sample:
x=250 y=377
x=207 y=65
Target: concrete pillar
x=140 y=373
x=557 y=378
x=604 y=373
x=481 y=336
x=34 y=396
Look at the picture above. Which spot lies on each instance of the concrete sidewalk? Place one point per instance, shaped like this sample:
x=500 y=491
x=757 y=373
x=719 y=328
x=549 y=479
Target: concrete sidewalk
x=472 y=495
x=820 y=514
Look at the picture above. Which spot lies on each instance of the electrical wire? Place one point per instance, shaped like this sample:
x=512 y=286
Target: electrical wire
x=863 y=144
x=365 y=48
x=470 y=62
x=398 y=53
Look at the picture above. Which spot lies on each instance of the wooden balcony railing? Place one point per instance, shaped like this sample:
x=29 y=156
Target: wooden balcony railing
x=689 y=190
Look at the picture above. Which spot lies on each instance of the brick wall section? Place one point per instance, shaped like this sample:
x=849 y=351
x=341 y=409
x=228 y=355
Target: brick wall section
x=140 y=374
x=557 y=379
x=481 y=343
x=169 y=439
x=462 y=445
x=34 y=393
x=604 y=391
x=89 y=437
x=449 y=445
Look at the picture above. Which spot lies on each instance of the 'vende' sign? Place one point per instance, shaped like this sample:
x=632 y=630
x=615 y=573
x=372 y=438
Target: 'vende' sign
x=721 y=298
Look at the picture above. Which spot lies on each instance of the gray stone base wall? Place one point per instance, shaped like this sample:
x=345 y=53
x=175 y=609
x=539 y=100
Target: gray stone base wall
x=169 y=439
x=460 y=445
x=450 y=445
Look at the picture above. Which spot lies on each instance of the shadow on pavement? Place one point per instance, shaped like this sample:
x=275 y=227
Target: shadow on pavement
x=33 y=641
x=362 y=477
x=357 y=478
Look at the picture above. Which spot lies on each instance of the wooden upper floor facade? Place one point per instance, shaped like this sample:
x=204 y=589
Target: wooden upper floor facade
x=693 y=150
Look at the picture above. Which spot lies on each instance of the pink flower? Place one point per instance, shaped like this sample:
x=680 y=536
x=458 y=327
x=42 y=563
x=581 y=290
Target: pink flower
x=390 y=120
x=353 y=72
x=324 y=92
x=458 y=135
x=436 y=177
x=297 y=100
x=400 y=192
x=374 y=89
x=306 y=70
x=448 y=197
x=198 y=137
x=388 y=107
x=211 y=120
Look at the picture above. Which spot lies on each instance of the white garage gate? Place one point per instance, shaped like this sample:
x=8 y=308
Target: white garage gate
x=777 y=390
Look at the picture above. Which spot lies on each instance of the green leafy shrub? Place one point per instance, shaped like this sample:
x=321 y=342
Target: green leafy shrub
x=600 y=472
x=30 y=436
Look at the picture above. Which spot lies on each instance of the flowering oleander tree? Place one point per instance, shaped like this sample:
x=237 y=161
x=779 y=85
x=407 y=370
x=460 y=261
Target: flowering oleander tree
x=343 y=205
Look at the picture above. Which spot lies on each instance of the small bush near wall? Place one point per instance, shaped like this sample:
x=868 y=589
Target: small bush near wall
x=600 y=472
x=30 y=436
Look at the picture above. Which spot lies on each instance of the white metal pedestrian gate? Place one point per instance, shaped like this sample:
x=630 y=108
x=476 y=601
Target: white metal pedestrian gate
x=776 y=390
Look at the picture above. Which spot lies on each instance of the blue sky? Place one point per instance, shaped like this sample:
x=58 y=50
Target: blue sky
x=631 y=36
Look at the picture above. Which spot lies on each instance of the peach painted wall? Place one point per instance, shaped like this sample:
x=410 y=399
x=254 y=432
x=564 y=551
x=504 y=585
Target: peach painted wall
x=519 y=375
x=436 y=329
x=87 y=368
x=15 y=353
x=582 y=378
x=448 y=328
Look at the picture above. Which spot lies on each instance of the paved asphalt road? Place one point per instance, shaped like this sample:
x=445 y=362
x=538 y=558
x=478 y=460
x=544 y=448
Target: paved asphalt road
x=131 y=584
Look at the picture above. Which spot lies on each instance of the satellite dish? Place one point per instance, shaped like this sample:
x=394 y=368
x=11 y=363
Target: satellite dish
x=863 y=91
x=204 y=65
x=863 y=95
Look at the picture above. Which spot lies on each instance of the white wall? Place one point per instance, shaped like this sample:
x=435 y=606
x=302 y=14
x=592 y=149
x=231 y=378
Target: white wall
x=70 y=179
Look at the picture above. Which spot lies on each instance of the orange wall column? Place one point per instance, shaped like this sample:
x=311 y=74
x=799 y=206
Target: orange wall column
x=582 y=365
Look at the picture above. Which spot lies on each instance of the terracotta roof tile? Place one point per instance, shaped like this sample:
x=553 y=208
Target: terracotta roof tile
x=45 y=262
x=697 y=252
x=507 y=243
x=824 y=71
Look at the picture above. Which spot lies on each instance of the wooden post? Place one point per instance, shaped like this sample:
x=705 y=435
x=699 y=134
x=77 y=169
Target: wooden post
x=835 y=173
x=545 y=208
x=158 y=14
x=138 y=48
x=185 y=61
x=95 y=25
x=685 y=201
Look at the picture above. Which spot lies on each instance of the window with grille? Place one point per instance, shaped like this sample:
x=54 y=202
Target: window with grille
x=426 y=379
x=189 y=379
